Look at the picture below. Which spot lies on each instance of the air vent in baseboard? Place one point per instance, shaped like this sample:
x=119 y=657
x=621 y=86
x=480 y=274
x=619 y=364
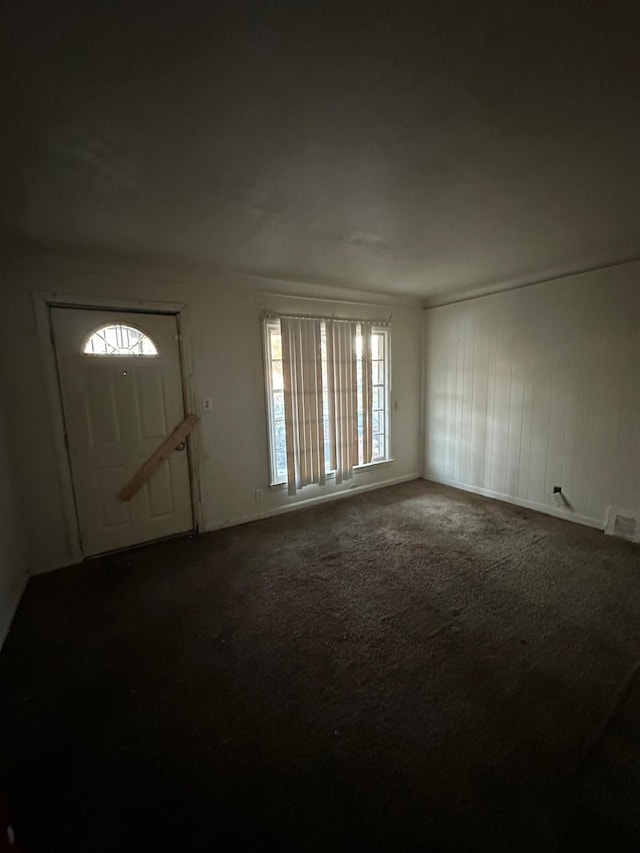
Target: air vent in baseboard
x=623 y=523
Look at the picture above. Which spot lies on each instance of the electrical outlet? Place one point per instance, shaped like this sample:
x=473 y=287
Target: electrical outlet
x=207 y=404
x=259 y=495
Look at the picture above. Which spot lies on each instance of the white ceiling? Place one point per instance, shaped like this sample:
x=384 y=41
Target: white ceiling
x=440 y=150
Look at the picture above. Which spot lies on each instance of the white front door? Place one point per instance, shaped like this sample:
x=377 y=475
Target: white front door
x=121 y=386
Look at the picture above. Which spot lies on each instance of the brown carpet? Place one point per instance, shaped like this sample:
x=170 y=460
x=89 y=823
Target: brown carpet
x=412 y=669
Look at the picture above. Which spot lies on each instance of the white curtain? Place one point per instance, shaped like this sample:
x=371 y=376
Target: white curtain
x=343 y=397
x=367 y=393
x=302 y=373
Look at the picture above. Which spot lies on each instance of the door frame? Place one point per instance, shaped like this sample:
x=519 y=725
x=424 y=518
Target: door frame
x=43 y=303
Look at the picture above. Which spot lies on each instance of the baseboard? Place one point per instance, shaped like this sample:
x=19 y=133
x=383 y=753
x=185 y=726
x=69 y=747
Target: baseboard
x=564 y=514
x=280 y=510
x=309 y=502
x=13 y=607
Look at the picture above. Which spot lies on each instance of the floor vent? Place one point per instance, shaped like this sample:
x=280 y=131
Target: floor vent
x=623 y=523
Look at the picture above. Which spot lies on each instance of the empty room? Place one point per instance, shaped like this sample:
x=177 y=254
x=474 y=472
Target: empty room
x=320 y=427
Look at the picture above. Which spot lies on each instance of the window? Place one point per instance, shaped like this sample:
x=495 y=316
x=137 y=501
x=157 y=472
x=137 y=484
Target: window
x=379 y=407
x=379 y=404
x=118 y=339
x=275 y=403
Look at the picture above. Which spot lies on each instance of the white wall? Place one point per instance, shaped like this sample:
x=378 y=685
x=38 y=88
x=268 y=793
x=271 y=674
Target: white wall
x=537 y=387
x=12 y=556
x=226 y=353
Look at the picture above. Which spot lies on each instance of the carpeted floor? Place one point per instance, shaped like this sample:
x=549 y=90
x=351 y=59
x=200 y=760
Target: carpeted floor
x=412 y=669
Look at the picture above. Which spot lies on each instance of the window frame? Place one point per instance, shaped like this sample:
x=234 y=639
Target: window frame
x=273 y=323
x=267 y=325
x=385 y=331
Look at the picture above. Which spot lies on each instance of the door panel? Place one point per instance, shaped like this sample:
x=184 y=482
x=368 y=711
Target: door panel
x=160 y=491
x=118 y=408
x=151 y=403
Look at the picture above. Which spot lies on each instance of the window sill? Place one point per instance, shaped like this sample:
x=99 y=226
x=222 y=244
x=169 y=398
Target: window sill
x=359 y=469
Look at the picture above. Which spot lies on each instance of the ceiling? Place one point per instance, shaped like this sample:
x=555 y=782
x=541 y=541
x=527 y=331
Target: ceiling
x=438 y=149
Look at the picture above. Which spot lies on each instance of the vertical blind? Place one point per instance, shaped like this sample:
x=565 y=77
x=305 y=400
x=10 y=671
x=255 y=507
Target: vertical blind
x=343 y=397
x=367 y=392
x=302 y=376
x=303 y=397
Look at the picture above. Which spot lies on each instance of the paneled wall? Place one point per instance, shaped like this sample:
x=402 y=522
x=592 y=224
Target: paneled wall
x=539 y=387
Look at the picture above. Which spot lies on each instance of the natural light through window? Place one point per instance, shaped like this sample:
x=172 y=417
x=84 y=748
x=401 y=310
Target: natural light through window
x=380 y=392
x=119 y=339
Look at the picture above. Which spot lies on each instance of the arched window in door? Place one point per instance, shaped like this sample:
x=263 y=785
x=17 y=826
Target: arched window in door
x=119 y=339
